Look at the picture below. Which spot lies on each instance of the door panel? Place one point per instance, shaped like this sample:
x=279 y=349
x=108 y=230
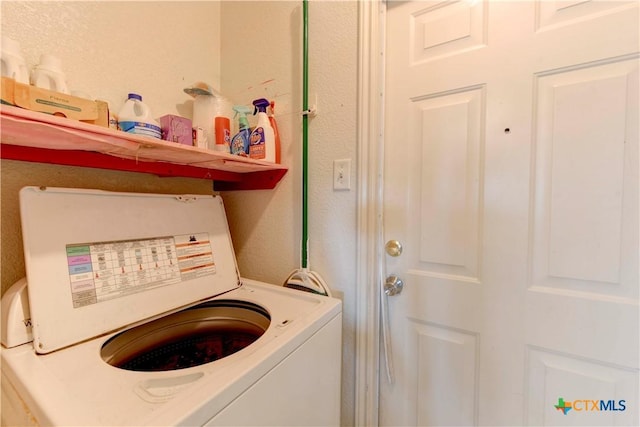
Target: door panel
x=550 y=376
x=447 y=132
x=511 y=179
x=583 y=175
x=436 y=31
x=446 y=355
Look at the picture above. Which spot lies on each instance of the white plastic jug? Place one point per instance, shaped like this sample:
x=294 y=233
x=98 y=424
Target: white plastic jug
x=208 y=104
x=204 y=112
x=13 y=63
x=48 y=74
x=135 y=117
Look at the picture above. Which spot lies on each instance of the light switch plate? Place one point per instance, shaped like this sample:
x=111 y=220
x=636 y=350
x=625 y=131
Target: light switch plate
x=342 y=174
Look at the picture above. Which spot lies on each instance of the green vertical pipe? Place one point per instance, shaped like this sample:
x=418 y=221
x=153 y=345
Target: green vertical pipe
x=305 y=131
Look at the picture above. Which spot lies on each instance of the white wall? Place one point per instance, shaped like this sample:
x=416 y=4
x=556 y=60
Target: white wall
x=262 y=52
x=111 y=48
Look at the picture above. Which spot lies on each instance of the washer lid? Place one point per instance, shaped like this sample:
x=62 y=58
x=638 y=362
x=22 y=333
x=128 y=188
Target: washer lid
x=97 y=260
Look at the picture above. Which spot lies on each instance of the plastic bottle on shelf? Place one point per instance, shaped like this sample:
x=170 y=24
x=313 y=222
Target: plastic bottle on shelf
x=240 y=141
x=262 y=144
x=13 y=63
x=276 y=133
x=204 y=112
x=113 y=117
x=48 y=74
x=223 y=134
x=135 y=117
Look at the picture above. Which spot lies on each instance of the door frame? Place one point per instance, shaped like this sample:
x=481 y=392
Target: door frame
x=370 y=149
x=370 y=174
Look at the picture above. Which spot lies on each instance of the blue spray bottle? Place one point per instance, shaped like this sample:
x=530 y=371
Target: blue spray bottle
x=240 y=141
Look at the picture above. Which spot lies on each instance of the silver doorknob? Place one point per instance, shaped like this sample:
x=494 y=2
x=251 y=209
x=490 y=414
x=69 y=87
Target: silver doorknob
x=393 y=285
x=393 y=248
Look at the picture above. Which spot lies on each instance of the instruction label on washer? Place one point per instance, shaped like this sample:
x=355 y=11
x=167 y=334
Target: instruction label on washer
x=100 y=271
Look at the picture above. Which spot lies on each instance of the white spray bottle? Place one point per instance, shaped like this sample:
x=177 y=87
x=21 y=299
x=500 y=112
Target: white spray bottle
x=262 y=140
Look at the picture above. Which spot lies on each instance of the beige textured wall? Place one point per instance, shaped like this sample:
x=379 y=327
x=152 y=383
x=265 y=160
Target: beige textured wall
x=108 y=49
x=265 y=225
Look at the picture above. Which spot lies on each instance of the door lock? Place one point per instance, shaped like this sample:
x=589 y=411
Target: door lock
x=393 y=285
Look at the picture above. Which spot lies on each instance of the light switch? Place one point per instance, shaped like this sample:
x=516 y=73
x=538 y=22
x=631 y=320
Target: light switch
x=342 y=174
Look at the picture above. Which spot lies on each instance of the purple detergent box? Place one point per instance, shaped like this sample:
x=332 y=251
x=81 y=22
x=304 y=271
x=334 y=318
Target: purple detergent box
x=176 y=129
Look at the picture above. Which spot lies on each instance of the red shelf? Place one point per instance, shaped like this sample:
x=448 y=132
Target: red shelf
x=36 y=137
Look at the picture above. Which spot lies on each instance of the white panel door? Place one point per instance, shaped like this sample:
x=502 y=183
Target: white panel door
x=511 y=180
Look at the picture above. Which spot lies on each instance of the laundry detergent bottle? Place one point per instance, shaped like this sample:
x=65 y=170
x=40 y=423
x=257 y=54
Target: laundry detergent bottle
x=240 y=141
x=262 y=140
x=135 y=117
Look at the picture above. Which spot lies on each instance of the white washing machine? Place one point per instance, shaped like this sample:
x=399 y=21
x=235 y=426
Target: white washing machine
x=135 y=314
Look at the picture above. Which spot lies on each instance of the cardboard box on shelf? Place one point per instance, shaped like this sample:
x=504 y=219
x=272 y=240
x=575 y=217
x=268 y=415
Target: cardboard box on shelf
x=60 y=104
x=103 y=114
x=7 y=88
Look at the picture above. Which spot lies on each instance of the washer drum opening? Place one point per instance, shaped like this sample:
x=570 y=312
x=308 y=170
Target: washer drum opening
x=191 y=337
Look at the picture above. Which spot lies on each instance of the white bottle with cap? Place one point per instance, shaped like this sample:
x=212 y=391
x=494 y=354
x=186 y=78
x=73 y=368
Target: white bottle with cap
x=135 y=117
x=204 y=113
x=13 y=63
x=48 y=74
